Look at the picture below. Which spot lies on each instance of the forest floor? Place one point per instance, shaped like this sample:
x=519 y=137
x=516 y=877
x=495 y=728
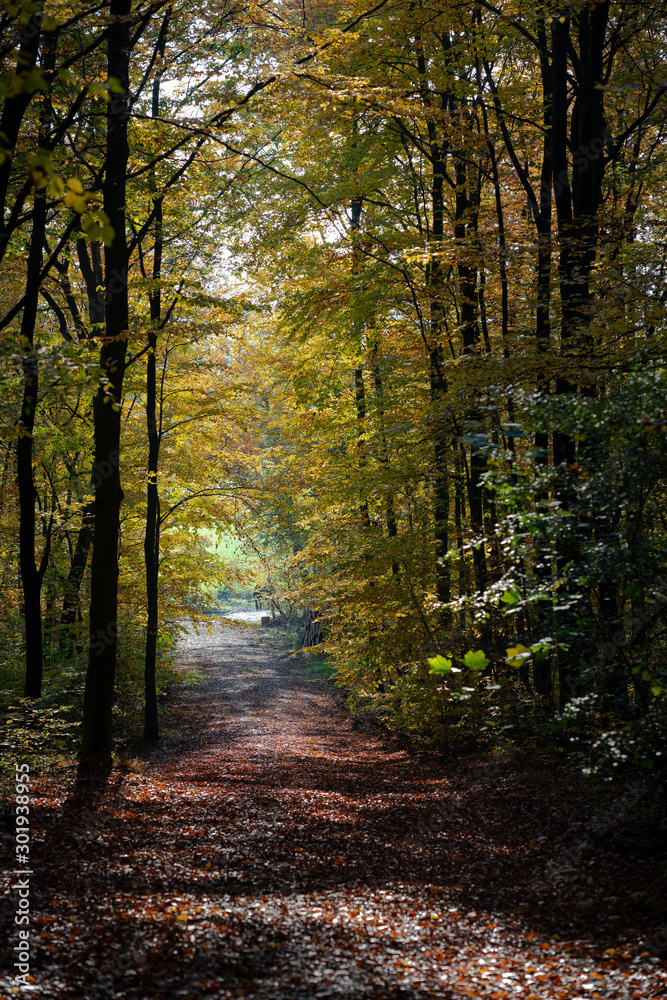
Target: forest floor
x=273 y=849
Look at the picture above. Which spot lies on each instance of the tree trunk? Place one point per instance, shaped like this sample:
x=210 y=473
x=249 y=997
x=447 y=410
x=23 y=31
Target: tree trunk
x=543 y=671
x=392 y=525
x=356 y=208
x=13 y=111
x=31 y=574
x=435 y=288
x=360 y=403
x=577 y=206
x=152 y=534
x=465 y=218
x=72 y=590
x=97 y=735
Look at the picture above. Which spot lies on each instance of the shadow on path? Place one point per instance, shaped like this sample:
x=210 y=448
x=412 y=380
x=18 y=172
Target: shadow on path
x=274 y=852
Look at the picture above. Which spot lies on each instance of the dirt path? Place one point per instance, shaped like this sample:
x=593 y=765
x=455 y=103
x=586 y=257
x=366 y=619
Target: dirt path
x=275 y=852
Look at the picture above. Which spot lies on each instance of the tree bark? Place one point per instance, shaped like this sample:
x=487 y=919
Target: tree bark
x=466 y=211
x=151 y=546
x=97 y=735
x=392 y=524
x=543 y=671
x=13 y=111
x=152 y=533
x=577 y=206
x=437 y=381
x=31 y=574
x=356 y=208
x=72 y=590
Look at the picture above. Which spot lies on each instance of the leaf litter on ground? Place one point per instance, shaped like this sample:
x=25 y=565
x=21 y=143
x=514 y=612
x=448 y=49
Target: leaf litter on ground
x=274 y=851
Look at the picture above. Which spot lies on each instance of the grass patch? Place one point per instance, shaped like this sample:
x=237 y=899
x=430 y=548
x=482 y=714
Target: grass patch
x=319 y=667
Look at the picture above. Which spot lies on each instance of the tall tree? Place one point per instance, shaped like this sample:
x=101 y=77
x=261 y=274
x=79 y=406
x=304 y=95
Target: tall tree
x=32 y=574
x=152 y=535
x=97 y=734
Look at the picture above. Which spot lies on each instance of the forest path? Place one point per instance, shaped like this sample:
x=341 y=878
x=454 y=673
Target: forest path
x=275 y=852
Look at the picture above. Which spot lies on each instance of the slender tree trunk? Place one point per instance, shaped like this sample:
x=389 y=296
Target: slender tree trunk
x=151 y=548
x=459 y=494
x=543 y=671
x=392 y=525
x=97 y=735
x=466 y=213
x=72 y=591
x=13 y=111
x=31 y=574
x=359 y=387
x=152 y=534
x=441 y=500
x=360 y=404
x=438 y=384
x=563 y=443
x=435 y=288
x=92 y=272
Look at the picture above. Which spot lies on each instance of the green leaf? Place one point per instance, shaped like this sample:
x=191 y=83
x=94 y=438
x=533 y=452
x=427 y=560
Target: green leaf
x=475 y=660
x=541 y=650
x=439 y=664
x=511 y=597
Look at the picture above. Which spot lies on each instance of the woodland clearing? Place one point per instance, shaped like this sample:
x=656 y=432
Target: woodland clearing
x=275 y=847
